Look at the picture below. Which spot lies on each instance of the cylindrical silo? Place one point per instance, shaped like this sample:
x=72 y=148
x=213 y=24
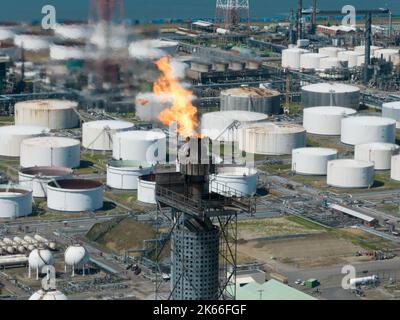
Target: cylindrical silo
x=124 y=175
x=147 y=189
x=395 y=168
x=98 y=135
x=75 y=195
x=326 y=94
x=251 y=99
x=350 y=56
x=311 y=61
x=53 y=114
x=37 y=178
x=349 y=173
x=368 y=129
x=312 y=161
x=380 y=154
x=214 y=124
x=391 y=110
x=291 y=58
x=234 y=181
x=15 y=201
x=12 y=137
x=271 y=138
x=325 y=120
x=50 y=152
x=149 y=146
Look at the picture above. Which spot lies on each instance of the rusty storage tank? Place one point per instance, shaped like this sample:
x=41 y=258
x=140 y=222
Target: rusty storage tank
x=260 y=100
x=53 y=114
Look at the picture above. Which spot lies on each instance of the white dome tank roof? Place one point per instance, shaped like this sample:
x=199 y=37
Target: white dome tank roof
x=378 y=152
x=351 y=163
x=19 y=130
x=47 y=104
x=316 y=151
x=48 y=295
x=312 y=161
x=141 y=135
x=328 y=87
x=112 y=124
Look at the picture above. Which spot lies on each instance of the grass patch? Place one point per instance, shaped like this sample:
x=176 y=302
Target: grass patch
x=306 y=223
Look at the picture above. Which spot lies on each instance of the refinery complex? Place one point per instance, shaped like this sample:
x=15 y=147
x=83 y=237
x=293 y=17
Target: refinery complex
x=225 y=158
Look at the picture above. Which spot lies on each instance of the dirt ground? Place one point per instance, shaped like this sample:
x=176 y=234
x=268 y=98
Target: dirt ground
x=314 y=250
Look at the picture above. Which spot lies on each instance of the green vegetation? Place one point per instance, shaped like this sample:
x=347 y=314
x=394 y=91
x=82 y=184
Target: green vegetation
x=295 y=108
x=119 y=235
x=271 y=227
x=306 y=223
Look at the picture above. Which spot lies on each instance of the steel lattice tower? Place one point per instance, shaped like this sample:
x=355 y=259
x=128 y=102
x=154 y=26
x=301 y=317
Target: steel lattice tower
x=231 y=13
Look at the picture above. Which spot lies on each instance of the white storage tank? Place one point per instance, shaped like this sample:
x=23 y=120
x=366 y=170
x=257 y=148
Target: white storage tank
x=325 y=120
x=98 y=135
x=378 y=153
x=214 y=124
x=75 y=195
x=6 y=33
x=349 y=173
x=147 y=189
x=395 y=168
x=331 y=52
x=361 y=49
x=76 y=256
x=152 y=49
x=12 y=137
x=37 y=178
x=39 y=258
x=291 y=58
x=50 y=152
x=251 y=99
x=351 y=57
x=391 y=110
x=330 y=63
x=272 y=138
x=311 y=61
x=15 y=201
x=367 y=129
x=312 y=161
x=53 y=114
x=327 y=94
x=61 y=51
x=32 y=41
x=388 y=54
x=48 y=295
x=73 y=31
x=149 y=146
x=234 y=181
x=124 y=175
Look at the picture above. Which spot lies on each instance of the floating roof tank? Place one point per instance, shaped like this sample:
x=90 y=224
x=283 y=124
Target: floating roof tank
x=326 y=94
x=348 y=173
x=312 y=161
x=75 y=195
x=53 y=114
x=325 y=120
x=124 y=175
x=251 y=99
x=12 y=137
x=379 y=153
x=50 y=152
x=98 y=135
x=37 y=178
x=15 y=201
x=368 y=129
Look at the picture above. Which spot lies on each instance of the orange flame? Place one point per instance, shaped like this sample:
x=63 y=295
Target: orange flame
x=182 y=110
